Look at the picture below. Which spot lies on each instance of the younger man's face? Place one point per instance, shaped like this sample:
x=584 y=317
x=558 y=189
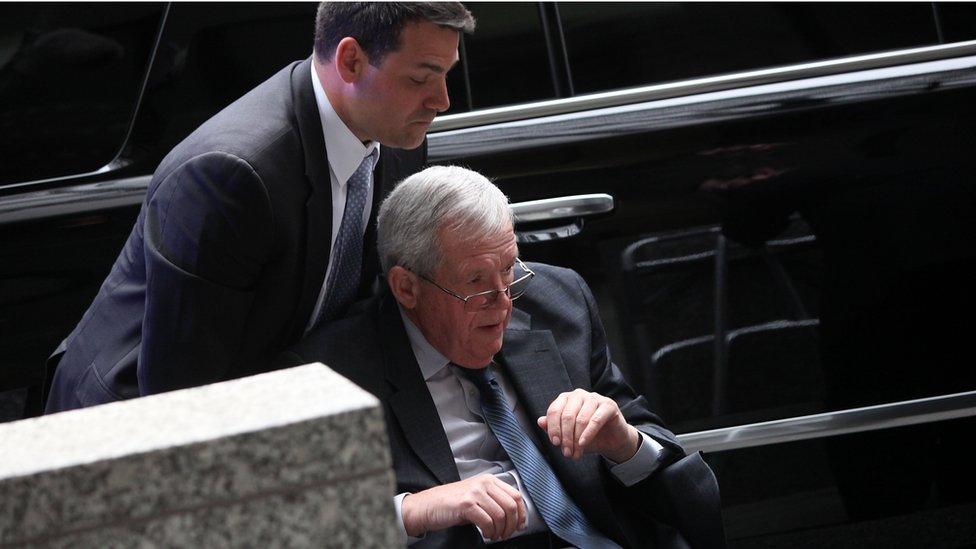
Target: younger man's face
x=397 y=101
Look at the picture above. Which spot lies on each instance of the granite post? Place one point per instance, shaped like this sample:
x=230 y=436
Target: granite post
x=293 y=458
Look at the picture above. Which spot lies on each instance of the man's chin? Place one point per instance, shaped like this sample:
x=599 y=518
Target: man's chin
x=416 y=141
x=410 y=138
x=494 y=347
x=488 y=346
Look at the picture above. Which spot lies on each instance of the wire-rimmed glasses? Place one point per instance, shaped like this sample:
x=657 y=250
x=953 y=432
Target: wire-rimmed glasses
x=480 y=300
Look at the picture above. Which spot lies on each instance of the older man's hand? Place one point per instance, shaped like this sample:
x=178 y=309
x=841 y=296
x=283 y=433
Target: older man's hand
x=483 y=500
x=584 y=422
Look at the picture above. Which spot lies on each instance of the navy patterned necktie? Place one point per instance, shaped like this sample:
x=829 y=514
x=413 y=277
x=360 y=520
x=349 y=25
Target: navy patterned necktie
x=557 y=509
x=347 y=253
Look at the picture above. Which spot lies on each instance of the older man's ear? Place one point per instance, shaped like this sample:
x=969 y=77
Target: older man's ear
x=405 y=286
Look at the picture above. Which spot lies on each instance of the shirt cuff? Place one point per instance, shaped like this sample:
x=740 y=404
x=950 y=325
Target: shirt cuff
x=639 y=467
x=398 y=505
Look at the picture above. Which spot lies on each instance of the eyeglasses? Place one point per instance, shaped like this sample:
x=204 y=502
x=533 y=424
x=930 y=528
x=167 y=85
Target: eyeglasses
x=480 y=300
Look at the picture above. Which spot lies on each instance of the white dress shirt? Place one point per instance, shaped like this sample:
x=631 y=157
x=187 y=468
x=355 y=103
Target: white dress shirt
x=475 y=448
x=345 y=152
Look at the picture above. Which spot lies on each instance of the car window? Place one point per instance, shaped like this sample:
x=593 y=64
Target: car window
x=616 y=45
x=507 y=60
x=958 y=20
x=209 y=55
x=70 y=75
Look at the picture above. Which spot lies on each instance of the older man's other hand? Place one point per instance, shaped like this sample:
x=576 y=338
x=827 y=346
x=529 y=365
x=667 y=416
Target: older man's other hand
x=483 y=500
x=584 y=422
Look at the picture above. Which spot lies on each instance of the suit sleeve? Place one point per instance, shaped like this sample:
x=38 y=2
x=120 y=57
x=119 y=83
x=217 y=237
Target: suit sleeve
x=209 y=229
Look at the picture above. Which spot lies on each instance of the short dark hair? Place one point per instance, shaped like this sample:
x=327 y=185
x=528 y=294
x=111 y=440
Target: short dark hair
x=377 y=25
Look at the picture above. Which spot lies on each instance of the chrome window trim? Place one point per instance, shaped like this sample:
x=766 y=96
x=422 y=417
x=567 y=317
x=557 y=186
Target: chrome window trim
x=855 y=420
x=703 y=108
x=131 y=191
x=510 y=113
x=116 y=193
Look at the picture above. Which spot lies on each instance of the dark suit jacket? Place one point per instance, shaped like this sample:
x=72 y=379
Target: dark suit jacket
x=554 y=343
x=224 y=264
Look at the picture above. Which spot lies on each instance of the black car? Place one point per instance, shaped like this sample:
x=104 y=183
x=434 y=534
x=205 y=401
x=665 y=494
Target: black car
x=774 y=203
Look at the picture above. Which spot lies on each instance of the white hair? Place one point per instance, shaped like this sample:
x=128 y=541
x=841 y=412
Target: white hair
x=439 y=198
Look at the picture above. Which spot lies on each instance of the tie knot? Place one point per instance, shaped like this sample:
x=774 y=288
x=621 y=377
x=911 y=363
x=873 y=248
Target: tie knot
x=481 y=377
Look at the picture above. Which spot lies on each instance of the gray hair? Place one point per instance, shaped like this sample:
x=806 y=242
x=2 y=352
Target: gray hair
x=377 y=25
x=439 y=198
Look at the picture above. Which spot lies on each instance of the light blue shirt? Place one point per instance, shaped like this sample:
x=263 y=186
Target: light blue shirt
x=476 y=450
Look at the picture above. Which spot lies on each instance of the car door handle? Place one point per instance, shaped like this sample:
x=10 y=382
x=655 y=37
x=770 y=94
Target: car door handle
x=573 y=208
x=563 y=207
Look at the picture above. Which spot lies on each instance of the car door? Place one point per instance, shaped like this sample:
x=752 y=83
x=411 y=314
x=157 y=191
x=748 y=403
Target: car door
x=763 y=198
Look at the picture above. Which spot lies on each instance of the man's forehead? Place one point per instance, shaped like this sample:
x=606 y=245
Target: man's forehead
x=428 y=46
x=482 y=253
x=435 y=66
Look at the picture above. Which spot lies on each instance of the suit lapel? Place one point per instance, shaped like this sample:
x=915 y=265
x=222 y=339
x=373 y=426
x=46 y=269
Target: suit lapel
x=411 y=402
x=535 y=368
x=318 y=206
x=532 y=361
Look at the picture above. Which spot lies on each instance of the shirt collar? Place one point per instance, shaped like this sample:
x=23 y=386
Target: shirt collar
x=431 y=361
x=345 y=151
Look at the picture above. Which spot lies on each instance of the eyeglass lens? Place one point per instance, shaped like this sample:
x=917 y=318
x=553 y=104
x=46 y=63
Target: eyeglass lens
x=515 y=290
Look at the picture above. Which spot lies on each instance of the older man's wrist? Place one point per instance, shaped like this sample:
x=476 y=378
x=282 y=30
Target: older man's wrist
x=412 y=517
x=628 y=448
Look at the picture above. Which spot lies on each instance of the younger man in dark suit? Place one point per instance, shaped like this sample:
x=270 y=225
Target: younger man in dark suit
x=511 y=420
x=257 y=226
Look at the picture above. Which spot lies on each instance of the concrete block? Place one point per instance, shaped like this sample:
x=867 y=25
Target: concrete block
x=297 y=457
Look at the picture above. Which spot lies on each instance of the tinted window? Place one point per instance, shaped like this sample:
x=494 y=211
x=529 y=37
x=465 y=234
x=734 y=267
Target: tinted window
x=958 y=21
x=507 y=58
x=209 y=55
x=69 y=78
x=616 y=45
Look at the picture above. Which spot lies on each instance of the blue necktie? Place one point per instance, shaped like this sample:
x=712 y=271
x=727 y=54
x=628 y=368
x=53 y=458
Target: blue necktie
x=347 y=253
x=559 y=512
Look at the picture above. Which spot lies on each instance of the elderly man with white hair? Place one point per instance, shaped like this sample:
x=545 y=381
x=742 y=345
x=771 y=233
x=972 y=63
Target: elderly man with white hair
x=507 y=425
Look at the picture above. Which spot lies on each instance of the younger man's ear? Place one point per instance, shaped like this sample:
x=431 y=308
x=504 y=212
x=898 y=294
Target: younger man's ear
x=350 y=60
x=405 y=286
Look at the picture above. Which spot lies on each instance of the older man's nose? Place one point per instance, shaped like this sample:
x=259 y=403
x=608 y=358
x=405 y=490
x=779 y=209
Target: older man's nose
x=501 y=298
